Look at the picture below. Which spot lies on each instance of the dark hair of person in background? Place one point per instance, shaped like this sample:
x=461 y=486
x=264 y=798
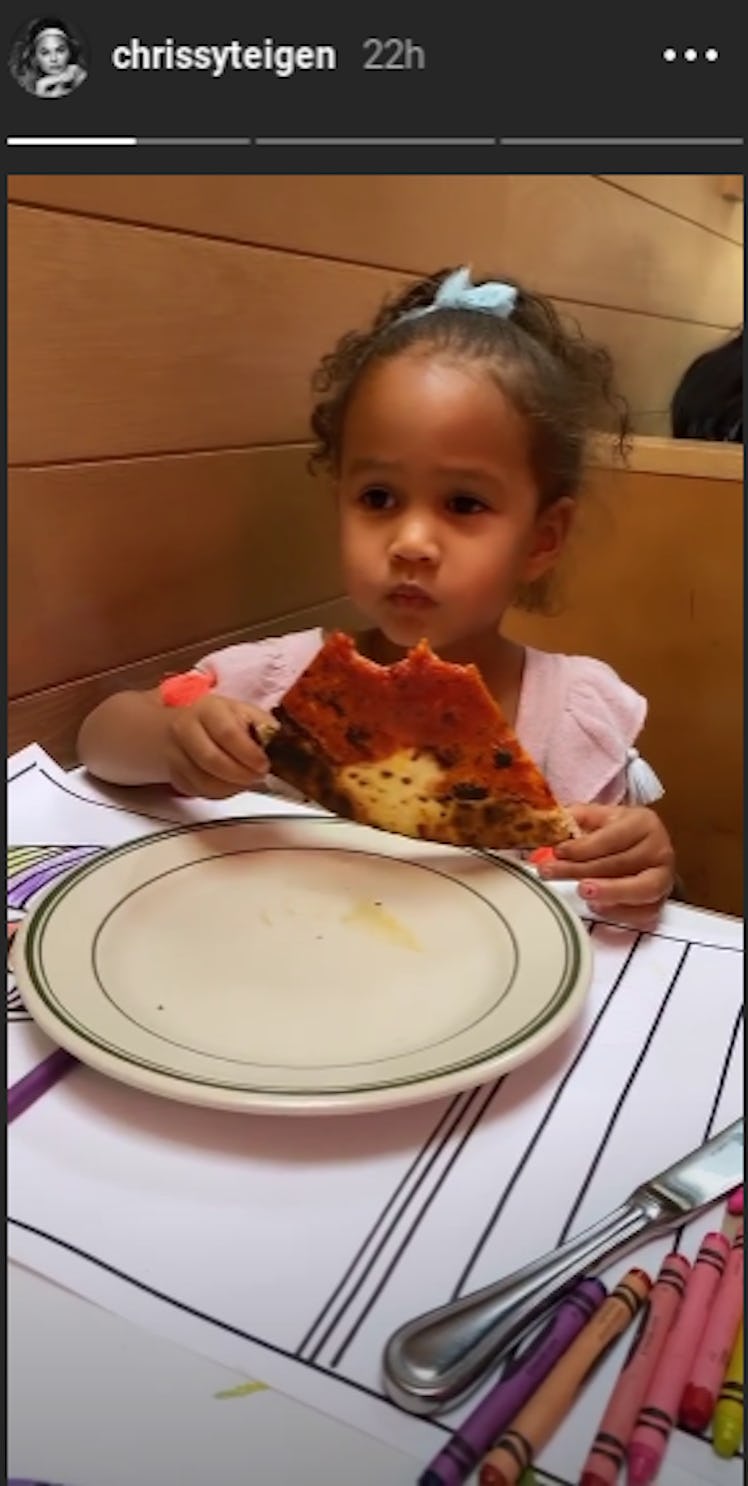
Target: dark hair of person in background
x=708 y=401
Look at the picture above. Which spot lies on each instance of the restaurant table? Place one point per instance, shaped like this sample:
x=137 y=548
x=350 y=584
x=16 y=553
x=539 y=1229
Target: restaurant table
x=98 y=1400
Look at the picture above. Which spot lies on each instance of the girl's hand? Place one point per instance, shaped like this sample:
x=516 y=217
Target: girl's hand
x=209 y=750
x=624 y=862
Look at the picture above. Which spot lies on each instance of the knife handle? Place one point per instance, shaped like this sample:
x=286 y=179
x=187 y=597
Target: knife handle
x=436 y=1357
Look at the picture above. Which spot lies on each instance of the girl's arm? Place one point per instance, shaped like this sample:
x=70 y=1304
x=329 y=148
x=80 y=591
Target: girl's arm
x=124 y=739
x=207 y=748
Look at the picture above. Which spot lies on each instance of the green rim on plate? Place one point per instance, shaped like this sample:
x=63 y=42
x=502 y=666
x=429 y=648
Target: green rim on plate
x=48 y=994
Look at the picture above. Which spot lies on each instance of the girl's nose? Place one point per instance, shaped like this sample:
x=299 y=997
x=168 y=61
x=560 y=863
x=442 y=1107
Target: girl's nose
x=414 y=541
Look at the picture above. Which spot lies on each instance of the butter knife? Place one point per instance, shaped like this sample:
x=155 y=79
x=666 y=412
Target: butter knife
x=440 y=1355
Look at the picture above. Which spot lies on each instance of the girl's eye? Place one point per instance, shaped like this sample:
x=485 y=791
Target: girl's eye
x=466 y=505
x=375 y=498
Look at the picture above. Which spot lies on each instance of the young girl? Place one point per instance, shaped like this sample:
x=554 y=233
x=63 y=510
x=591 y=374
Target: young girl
x=455 y=430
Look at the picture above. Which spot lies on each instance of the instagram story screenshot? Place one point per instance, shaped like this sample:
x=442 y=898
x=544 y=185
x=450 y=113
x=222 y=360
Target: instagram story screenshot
x=374 y=715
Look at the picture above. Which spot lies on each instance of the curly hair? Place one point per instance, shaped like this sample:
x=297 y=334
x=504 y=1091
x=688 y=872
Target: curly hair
x=562 y=383
x=24 y=65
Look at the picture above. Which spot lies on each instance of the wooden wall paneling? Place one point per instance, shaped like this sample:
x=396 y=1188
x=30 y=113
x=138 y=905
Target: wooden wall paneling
x=700 y=198
x=138 y=341
x=134 y=341
x=52 y=716
x=115 y=561
x=609 y=247
x=711 y=864
x=691 y=459
x=652 y=425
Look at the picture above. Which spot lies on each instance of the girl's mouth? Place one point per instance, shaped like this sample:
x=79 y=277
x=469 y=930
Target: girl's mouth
x=410 y=596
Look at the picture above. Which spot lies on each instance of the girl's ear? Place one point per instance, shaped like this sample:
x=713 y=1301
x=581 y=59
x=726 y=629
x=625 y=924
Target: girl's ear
x=548 y=539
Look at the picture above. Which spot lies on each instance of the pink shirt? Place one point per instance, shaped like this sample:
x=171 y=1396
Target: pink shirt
x=576 y=717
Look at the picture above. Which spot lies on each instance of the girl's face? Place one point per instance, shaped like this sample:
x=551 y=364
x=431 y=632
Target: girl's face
x=52 y=54
x=438 y=503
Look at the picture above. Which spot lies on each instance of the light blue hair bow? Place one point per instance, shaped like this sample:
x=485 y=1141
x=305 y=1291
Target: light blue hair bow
x=456 y=292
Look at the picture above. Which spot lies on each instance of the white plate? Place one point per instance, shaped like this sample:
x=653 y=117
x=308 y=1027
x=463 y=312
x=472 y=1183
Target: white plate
x=301 y=965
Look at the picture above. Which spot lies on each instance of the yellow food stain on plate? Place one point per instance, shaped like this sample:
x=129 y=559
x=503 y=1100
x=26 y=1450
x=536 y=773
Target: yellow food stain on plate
x=375 y=918
x=241 y=1390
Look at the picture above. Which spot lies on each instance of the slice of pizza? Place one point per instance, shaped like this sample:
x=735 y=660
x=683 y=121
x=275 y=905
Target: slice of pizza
x=419 y=748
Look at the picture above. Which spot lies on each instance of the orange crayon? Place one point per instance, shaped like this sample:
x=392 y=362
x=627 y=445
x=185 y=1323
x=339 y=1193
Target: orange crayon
x=658 y=1412
x=609 y=1446
x=715 y=1348
x=181 y=691
x=541 y=1415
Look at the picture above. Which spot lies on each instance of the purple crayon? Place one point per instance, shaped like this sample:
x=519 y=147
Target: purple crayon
x=39 y=1081
x=467 y=1447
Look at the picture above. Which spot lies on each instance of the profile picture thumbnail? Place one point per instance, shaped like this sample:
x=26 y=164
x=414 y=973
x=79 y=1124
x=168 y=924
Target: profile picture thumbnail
x=49 y=58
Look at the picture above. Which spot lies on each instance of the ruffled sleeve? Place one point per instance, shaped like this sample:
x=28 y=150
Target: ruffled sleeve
x=262 y=670
x=580 y=721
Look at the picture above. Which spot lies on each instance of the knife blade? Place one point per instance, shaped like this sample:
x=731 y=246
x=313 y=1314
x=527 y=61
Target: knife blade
x=438 y=1356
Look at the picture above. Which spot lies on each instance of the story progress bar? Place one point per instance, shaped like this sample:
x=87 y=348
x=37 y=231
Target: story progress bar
x=335 y=141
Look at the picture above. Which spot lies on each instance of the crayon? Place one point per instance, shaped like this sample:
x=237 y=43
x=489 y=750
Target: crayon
x=614 y=1432
x=735 y=1202
x=657 y=1414
x=715 y=1348
x=727 y=1424
x=42 y=1078
x=463 y=1451
x=541 y=1415
x=181 y=691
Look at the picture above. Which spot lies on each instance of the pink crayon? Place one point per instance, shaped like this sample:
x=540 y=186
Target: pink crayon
x=735 y=1203
x=609 y=1446
x=715 y=1349
x=658 y=1412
